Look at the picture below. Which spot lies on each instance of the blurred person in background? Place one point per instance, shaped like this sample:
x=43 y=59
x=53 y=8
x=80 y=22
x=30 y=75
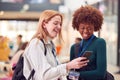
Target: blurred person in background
x=19 y=42
x=4 y=49
x=17 y=45
x=47 y=67
x=15 y=58
x=87 y=20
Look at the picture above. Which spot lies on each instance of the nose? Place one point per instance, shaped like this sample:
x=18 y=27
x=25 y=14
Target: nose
x=59 y=26
x=86 y=30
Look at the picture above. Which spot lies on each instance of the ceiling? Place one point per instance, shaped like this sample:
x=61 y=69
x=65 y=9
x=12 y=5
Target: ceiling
x=8 y=15
x=24 y=11
x=31 y=11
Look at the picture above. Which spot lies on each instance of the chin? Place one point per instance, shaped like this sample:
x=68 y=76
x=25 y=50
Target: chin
x=53 y=36
x=86 y=38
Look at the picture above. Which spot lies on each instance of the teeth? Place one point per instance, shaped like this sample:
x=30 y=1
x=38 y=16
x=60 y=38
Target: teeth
x=85 y=35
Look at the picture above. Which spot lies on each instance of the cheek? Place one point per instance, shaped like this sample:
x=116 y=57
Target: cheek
x=48 y=28
x=80 y=31
x=91 y=32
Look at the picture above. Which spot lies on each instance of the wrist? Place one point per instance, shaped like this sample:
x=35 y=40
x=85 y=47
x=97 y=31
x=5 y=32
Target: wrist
x=68 y=67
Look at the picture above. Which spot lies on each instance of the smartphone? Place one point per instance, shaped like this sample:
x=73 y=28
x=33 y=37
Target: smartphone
x=87 y=54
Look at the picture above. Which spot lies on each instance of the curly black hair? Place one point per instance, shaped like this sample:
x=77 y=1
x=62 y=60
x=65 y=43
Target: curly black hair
x=88 y=15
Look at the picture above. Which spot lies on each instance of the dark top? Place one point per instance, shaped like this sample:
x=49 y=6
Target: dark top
x=97 y=62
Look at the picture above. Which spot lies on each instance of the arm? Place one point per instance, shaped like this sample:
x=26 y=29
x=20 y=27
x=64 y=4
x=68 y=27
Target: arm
x=43 y=70
x=100 y=70
x=34 y=55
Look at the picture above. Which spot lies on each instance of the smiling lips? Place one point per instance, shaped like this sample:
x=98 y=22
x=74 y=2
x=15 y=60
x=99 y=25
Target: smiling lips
x=56 y=30
x=86 y=35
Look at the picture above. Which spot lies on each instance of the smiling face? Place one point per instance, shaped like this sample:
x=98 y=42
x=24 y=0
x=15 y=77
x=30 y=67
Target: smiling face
x=86 y=30
x=53 y=26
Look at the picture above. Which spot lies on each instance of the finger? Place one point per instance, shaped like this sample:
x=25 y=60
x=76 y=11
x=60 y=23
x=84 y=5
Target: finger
x=82 y=65
x=81 y=58
x=83 y=62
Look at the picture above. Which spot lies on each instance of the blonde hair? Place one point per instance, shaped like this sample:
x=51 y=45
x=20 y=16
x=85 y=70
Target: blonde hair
x=46 y=16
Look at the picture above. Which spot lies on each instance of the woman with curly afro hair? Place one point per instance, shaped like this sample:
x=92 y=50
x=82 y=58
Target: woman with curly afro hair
x=87 y=20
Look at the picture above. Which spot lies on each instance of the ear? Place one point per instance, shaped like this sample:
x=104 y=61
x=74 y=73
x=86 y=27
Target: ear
x=44 y=24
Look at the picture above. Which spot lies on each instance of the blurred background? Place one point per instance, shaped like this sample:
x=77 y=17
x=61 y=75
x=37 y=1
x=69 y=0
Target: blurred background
x=20 y=17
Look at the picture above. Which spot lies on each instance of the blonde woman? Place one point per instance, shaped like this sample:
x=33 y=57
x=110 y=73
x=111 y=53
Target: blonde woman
x=47 y=67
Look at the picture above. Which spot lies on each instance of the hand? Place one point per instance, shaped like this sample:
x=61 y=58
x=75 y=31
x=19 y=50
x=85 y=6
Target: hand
x=77 y=63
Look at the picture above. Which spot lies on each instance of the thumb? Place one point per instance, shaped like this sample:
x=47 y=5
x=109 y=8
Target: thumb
x=81 y=58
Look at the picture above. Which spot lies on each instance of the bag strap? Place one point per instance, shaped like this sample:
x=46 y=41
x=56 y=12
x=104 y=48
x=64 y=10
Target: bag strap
x=53 y=52
x=45 y=52
x=31 y=74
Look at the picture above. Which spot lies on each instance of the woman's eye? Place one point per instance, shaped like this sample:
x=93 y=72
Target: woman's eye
x=82 y=28
x=90 y=28
x=55 y=23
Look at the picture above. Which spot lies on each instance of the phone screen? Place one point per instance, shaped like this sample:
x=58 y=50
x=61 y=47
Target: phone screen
x=87 y=54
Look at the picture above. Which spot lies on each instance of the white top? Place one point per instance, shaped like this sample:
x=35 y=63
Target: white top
x=45 y=66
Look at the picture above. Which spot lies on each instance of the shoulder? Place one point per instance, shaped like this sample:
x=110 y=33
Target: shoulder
x=34 y=48
x=35 y=42
x=35 y=45
x=72 y=45
x=75 y=45
x=100 y=40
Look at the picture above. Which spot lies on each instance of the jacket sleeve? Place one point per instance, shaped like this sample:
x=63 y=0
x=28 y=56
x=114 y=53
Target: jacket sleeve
x=43 y=70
